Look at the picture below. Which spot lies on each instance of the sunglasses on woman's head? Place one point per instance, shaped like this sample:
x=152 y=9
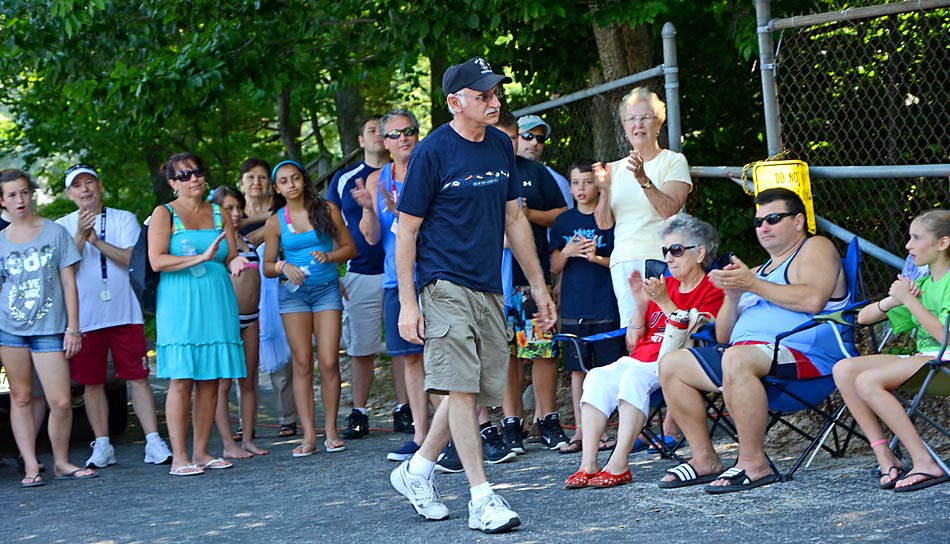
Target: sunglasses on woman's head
x=527 y=136
x=676 y=250
x=772 y=218
x=186 y=175
x=408 y=131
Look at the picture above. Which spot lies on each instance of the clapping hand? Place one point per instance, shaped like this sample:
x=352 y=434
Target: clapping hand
x=360 y=195
x=903 y=290
x=601 y=176
x=734 y=279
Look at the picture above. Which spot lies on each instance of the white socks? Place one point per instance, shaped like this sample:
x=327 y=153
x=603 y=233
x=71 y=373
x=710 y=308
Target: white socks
x=480 y=491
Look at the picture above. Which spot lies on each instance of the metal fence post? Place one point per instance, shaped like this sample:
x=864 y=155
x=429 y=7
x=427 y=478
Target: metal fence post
x=671 y=79
x=773 y=135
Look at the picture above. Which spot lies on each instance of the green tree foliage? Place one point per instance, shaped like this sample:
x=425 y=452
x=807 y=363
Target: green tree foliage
x=124 y=85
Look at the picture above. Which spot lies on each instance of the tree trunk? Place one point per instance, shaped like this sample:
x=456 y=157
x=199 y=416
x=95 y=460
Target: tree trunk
x=288 y=130
x=623 y=51
x=155 y=157
x=349 y=114
x=439 y=114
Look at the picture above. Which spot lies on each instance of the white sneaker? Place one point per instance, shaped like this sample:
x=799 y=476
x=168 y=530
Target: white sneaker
x=102 y=455
x=157 y=453
x=420 y=491
x=492 y=515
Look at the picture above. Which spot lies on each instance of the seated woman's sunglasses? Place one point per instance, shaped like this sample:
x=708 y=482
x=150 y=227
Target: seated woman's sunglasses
x=676 y=250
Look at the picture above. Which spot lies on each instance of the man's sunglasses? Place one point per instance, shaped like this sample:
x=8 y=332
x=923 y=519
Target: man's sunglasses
x=186 y=175
x=527 y=136
x=772 y=218
x=408 y=131
x=676 y=250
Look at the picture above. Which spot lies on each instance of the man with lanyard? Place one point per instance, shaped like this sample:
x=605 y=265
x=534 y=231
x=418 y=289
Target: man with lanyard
x=459 y=201
x=109 y=314
x=363 y=288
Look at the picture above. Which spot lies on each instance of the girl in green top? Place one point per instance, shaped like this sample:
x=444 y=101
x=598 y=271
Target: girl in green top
x=866 y=382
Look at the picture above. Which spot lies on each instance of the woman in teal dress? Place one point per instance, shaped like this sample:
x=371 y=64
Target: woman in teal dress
x=198 y=339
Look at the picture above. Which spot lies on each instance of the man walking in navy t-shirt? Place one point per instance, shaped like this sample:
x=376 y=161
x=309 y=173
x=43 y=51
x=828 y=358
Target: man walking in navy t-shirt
x=459 y=201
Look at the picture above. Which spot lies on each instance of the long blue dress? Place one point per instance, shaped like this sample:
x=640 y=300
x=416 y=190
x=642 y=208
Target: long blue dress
x=198 y=335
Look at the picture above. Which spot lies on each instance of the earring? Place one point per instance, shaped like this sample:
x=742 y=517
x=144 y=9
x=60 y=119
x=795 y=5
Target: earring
x=175 y=192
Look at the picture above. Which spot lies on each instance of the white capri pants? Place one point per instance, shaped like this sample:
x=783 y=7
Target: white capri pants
x=619 y=274
x=626 y=379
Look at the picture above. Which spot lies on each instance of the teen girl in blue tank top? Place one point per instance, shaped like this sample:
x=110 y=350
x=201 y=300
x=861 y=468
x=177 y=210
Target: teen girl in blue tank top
x=309 y=232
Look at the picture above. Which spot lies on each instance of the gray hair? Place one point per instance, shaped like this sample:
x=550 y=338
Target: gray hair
x=392 y=114
x=697 y=233
x=461 y=98
x=642 y=94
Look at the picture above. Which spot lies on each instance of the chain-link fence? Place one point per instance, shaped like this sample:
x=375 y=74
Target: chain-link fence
x=863 y=92
x=869 y=92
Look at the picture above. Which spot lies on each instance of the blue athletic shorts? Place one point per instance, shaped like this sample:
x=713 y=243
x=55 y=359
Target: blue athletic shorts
x=395 y=345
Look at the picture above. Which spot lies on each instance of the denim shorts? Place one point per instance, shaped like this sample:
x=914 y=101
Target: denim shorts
x=41 y=343
x=310 y=298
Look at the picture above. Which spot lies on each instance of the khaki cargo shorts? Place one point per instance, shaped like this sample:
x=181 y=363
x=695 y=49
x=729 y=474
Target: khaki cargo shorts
x=466 y=348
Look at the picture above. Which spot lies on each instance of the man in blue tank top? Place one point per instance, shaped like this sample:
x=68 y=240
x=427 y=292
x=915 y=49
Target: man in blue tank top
x=802 y=277
x=459 y=201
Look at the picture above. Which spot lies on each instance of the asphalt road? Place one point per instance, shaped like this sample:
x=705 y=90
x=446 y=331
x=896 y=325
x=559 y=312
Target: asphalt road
x=346 y=497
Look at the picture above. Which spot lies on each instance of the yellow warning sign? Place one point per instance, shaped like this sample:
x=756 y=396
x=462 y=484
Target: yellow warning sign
x=791 y=175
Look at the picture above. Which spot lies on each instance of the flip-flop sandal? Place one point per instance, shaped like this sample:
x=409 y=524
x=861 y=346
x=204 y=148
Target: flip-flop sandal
x=929 y=480
x=187 y=470
x=891 y=483
x=74 y=475
x=578 y=480
x=607 y=444
x=337 y=445
x=668 y=441
x=604 y=479
x=32 y=481
x=287 y=430
x=738 y=481
x=639 y=445
x=574 y=446
x=686 y=476
x=304 y=450
x=217 y=464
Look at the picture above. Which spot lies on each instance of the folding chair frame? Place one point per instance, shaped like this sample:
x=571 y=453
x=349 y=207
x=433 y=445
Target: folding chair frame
x=935 y=370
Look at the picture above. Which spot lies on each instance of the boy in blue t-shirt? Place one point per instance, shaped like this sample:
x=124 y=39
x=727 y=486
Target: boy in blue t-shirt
x=580 y=252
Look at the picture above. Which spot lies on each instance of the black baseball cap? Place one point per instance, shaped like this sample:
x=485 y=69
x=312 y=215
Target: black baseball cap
x=475 y=74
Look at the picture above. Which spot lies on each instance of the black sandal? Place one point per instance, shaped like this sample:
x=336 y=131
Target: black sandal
x=288 y=430
x=238 y=435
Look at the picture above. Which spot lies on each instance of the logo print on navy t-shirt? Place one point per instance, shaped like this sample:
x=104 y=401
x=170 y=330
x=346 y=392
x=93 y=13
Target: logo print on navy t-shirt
x=586 y=233
x=476 y=180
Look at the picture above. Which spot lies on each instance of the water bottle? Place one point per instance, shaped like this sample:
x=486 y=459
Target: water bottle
x=291 y=286
x=188 y=250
